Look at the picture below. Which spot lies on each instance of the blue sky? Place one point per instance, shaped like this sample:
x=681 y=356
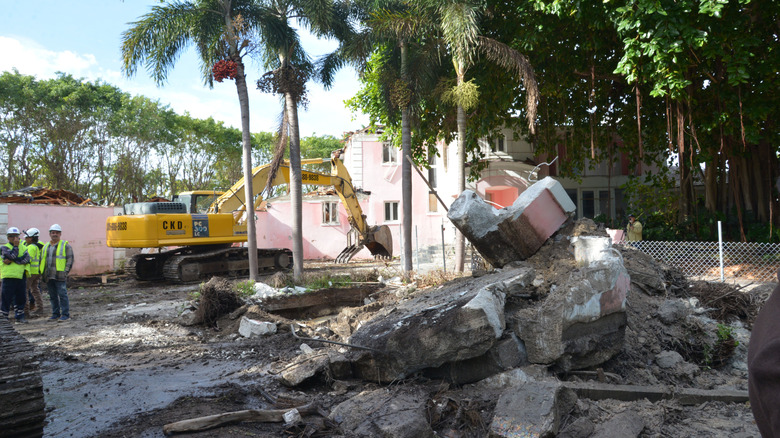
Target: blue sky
x=83 y=38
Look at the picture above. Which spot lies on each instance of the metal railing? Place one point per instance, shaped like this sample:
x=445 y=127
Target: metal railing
x=743 y=261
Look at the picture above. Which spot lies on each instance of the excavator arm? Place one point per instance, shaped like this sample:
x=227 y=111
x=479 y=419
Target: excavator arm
x=377 y=239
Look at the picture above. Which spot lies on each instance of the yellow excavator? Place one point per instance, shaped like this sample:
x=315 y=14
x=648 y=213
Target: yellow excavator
x=204 y=225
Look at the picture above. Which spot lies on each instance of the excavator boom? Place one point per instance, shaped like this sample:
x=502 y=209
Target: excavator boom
x=206 y=241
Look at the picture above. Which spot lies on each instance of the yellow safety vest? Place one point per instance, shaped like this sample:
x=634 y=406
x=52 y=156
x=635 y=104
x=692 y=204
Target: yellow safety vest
x=59 y=254
x=34 y=267
x=14 y=270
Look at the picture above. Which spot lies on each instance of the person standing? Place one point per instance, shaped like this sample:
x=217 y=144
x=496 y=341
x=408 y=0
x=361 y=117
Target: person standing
x=34 y=270
x=634 y=229
x=56 y=261
x=14 y=290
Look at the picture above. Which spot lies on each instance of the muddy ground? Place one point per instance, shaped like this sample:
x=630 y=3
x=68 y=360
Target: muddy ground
x=125 y=365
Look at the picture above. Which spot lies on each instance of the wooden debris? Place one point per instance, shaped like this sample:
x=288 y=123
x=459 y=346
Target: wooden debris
x=254 y=415
x=43 y=195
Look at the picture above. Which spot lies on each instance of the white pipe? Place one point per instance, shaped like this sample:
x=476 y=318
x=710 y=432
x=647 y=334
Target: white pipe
x=720 y=249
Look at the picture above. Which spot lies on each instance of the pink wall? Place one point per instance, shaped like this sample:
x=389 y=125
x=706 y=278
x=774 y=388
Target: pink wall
x=83 y=227
x=319 y=241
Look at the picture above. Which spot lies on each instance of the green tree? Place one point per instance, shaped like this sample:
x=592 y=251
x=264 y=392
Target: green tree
x=459 y=23
x=396 y=34
x=220 y=30
x=290 y=70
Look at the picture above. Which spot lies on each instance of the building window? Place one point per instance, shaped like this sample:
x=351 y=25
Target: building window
x=497 y=144
x=330 y=213
x=588 y=204
x=432 y=171
x=391 y=211
x=433 y=203
x=389 y=154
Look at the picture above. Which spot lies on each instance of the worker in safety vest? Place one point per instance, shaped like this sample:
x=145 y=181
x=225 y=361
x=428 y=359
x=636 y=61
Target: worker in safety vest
x=56 y=261
x=35 y=302
x=14 y=290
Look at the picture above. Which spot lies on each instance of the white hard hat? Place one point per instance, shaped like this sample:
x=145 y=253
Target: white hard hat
x=31 y=232
x=13 y=230
x=55 y=227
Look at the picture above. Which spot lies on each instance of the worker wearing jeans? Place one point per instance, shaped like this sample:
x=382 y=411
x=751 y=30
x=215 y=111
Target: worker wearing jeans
x=14 y=291
x=57 y=259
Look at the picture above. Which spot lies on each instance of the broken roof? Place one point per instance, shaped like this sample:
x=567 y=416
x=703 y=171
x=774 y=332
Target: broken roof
x=43 y=195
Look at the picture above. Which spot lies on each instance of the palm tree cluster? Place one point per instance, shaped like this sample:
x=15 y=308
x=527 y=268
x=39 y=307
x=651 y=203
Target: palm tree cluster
x=412 y=39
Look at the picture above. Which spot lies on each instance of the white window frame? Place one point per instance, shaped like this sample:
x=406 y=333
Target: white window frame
x=330 y=213
x=391 y=209
x=389 y=153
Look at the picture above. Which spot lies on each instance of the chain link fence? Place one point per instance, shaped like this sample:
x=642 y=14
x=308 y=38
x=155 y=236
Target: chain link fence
x=744 y=261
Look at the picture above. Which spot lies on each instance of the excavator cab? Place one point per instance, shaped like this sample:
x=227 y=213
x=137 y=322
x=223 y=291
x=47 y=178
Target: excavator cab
x=197 y=201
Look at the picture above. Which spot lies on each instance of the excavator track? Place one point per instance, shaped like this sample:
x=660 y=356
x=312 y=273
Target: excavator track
x=149 y=267
x=232 y=261
x=22 y=406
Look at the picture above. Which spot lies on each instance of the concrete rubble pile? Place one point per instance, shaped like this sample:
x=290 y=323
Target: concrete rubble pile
x=557 y=305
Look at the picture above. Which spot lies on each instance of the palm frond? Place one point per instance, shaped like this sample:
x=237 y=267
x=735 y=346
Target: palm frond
x=157 y=39
x=459 y=25
x=402 y=24
x=514 y=61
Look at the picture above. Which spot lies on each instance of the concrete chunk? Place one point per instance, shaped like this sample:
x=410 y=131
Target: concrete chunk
x=429 y=331
x=249 y=327
x=581 y=322
x=515 y=232
x=533 y=409
x=389 y=413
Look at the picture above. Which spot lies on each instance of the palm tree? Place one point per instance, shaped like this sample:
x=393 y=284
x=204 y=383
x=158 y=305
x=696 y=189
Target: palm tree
x=219 y=30
x=291 y=69
x=390 y=26
x=460 y=29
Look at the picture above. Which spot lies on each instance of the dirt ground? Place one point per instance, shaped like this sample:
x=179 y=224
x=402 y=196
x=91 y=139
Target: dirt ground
x=126 y=364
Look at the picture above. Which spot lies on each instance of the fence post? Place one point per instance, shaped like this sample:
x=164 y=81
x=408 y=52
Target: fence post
x=720 y=249
x=443 y=248
x=417 y=248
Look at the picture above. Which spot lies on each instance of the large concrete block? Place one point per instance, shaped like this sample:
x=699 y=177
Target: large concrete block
x=387 y=412
x=533 y=409
x=581 y=322
x=515 y=232
x=429 y=331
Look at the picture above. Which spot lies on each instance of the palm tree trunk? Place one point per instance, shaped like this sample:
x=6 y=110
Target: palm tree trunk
x=406 y=173
x=296 y=191
x=460 y=176
x=251 y=230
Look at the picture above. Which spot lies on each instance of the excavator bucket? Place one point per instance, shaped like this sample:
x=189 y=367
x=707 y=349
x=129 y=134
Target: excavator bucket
x=380 y=242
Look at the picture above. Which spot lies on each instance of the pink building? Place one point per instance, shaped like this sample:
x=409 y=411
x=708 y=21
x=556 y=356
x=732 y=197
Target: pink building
x=375 y=168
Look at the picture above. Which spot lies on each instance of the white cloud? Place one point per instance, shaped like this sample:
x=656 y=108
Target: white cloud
x=31 y=59
x=185 y=91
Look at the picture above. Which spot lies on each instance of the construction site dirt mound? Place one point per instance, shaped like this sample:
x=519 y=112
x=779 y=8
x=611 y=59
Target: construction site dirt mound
x=134 y=358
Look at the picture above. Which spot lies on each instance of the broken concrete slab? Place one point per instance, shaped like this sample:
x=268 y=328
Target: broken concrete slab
x=581 y=322
x=506 y=354
x=580 y=428
x=428 y=332
x=458 y=322
x=515 y=232
x=387 y=412
x=532 y=409
x=627 y=424
x=307 y=367
x=249 y=328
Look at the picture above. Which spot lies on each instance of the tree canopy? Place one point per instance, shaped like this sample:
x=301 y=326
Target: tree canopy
x=114 y=148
